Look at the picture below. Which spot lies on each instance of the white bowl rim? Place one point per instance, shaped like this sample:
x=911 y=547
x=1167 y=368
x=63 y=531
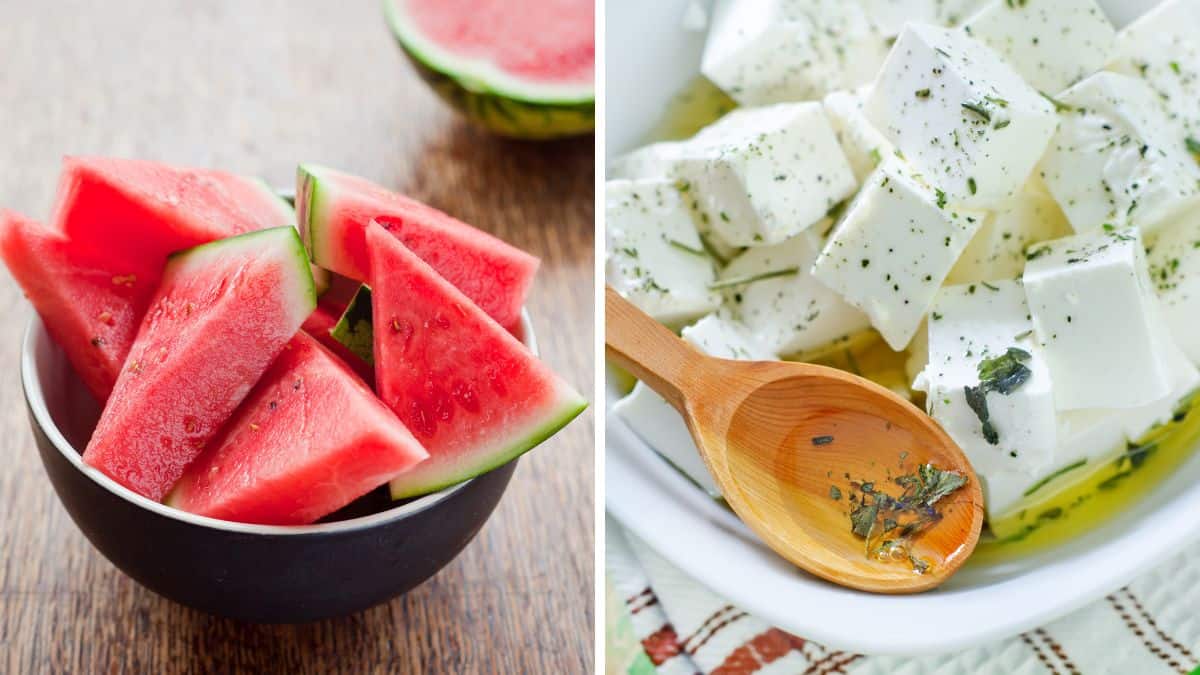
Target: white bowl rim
x=35 y=397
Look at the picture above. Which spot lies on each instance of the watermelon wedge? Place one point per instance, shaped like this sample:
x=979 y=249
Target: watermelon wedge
x=469 y=391
x=146 y=210
x=520 y=68
x=92 y=308
x=320 y=325
x=222 y=313
x=334 y=208
x=308 y=440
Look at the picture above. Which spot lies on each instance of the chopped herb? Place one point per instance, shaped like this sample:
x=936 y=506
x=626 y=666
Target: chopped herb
x=751 y=278
x=1023 y=334
x=1037 y=253
x=978 y=110
x=997 y=100
x=822 y=440
x=971 y=185
x=989 y=286
x=941 y=199
x=1044 y=481
x=1193 y=145
x=684 y=247
x=922 y=93
x=1059 y=106
x=834 y=493
x=1003 y=374
x=1001 y=124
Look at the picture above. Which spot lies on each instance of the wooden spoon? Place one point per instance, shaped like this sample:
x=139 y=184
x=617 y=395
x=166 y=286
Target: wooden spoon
x=788 y=443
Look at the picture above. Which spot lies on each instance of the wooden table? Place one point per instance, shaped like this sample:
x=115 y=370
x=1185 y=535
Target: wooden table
x=256 y=87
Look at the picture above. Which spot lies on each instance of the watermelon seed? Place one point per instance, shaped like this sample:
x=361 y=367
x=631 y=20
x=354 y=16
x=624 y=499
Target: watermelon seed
x=106 y=317
x=297 y=385
x=97 y=341
x=135 y=367
x=253 y=426
x=191 y=424
x=272 y=405
x=127 y=280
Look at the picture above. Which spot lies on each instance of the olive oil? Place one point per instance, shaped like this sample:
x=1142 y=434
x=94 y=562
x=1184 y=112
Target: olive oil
x=697 y=105
x=1095 y=498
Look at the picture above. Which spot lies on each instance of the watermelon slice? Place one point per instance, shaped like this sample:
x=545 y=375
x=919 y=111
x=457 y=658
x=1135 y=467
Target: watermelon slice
x=221 y=315
x=469 y=391
x=308 y=440
x=320 y=325
x=521 y=68
x=334 y=208
x=148 y=210
x=92 y=308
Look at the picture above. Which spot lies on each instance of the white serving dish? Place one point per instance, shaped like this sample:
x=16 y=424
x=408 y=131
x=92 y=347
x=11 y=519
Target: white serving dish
x=650 y=56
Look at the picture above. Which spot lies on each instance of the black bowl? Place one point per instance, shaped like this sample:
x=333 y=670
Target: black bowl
x=260 y=573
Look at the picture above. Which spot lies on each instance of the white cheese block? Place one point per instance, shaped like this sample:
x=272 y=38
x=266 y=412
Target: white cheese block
x=1052 y=44
x=1135 y=422
x=960 y=114
x=997 y=251
x=768 y=173
x=1115 y=159
x=970 y=324
x=654 y=161
x=772 y=51
x=1174 y=261
x=654 y=255
x=918 y=354
x=794 y=312
x=660 y=425
x=1163 y=48
x=894 y=247
x=863 y=144
x=1097 y=320
x=889 y=16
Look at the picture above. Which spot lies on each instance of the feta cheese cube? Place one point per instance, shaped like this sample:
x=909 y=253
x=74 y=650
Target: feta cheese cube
x=654 y=255
x=863 y=144
x=889 y=16
x=997 y=251
x=768 y=173
x=771 y=51
x=1135 y=422
x=970 y=326
x=1163 y=48
x=660 y=426
x=1174 y=261
x=1051 y=44
x=892 y=250
x=781 y=303
x=1095 y=315
x=1115 y=159
x=962 y=116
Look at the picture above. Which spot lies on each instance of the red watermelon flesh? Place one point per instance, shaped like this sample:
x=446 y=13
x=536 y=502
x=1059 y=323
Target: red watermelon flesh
x=470 y=392
x=147 y=210
x=308 y=440
x=91 y=308
x=334 y=209
x=537 y=41
x=321 y=322
x=221 y=315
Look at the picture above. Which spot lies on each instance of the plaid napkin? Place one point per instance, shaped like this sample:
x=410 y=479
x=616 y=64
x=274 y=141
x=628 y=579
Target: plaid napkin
x=661 y=621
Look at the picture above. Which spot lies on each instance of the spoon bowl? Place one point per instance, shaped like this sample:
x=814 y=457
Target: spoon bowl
x=793 y=446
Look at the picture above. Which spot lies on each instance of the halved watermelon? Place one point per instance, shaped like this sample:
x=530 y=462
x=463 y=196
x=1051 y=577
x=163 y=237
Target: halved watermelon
x=221 y=315
x=320 y=325
x=308 y=440
x=146 y=210
x=334 y=208
x=521 y=68
x=92 y=308
x=469 y=391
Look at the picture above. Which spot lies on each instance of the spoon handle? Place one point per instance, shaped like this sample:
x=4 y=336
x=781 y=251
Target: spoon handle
x=647 y=349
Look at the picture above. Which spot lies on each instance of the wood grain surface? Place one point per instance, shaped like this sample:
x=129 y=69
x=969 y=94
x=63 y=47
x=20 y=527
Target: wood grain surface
x=256 y=87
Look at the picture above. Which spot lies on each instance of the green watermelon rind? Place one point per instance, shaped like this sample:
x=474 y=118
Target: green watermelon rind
x=308 y=185
x=306 y=297
x=349 y=329
x=571 y=407
x=322 y=278
x=501 y=110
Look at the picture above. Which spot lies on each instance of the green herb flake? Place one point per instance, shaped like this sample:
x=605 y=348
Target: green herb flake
x=752 y=278
x=978 y=109
x=822 y=440
x=922 y=93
